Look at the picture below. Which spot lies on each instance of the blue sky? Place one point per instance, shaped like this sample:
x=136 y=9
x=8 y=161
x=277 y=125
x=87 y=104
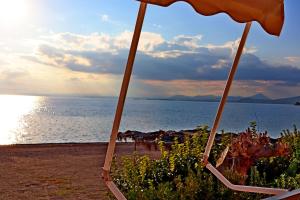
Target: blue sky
x=82 y=17
x=80 y=47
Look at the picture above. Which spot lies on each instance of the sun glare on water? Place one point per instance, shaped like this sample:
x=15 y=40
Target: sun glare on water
x=13 y=11
x=12 y=110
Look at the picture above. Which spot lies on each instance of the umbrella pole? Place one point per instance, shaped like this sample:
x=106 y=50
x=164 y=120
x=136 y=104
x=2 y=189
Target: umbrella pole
x=123 y=92
x=225 y=93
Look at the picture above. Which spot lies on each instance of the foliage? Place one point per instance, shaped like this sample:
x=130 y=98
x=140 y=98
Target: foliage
x=293 y=139
x=283 y=172
x=290 y=178
x=179 y=173
x=272 y=167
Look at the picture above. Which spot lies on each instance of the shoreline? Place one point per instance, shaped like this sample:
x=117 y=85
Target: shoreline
x=59 y=143
x=54 y=144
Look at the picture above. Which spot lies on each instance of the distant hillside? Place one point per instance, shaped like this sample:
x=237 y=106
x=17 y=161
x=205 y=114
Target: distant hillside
x=257 y=98
x=260 y=96
x=290 y=100
x=194 y=98
x=207 y=98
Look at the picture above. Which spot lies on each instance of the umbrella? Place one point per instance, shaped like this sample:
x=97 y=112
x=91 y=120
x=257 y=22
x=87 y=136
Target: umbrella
x=268 y=13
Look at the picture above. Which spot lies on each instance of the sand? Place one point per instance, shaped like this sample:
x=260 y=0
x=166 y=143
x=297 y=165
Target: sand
x=55 y=171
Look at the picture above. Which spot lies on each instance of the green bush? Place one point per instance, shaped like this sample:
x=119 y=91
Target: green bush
x=179 y=173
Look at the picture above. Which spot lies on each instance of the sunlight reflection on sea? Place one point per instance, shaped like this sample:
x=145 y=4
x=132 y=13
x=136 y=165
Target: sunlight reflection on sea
x=13 y=109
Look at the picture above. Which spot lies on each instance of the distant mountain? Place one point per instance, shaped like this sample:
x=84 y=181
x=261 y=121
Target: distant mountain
x=257 y=98
x=290 y=100
x=207 y=98
x=260 y=96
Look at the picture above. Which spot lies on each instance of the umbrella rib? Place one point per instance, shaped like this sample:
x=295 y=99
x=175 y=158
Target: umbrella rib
x=124 y=88
x=225 y=93
x=244 y=188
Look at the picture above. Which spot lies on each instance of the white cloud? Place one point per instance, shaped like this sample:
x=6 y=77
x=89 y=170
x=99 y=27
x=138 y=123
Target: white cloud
x=78 y=60
x=187 y=41
x=104 y=18
x=104 y=51
x=169 y=53
x=157 y=26
x=92 y=58
x=9 y=75
x=230 y=46
x=221 y=64
x=148 y=41
x=102 y=42
x=291 y=60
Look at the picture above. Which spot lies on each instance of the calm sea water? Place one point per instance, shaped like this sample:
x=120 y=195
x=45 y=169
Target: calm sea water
x=30 y=119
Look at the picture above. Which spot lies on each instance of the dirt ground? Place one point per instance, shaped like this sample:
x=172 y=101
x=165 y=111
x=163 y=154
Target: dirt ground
x=55 y=171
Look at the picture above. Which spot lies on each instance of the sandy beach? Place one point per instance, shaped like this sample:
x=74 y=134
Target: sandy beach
x=55 y=171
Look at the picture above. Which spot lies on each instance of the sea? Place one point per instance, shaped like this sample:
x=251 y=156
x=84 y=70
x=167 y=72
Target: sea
x=54 y=119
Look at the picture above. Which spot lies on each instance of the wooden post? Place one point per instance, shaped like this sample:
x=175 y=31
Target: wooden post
x=225 y=94
x=124 y=88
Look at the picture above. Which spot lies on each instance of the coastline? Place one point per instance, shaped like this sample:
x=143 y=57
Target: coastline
x=56 y=171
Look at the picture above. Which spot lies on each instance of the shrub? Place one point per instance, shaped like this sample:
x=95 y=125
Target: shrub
x=179 y=173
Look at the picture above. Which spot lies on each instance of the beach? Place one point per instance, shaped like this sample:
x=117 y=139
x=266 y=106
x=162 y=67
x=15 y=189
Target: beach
x=55 y=171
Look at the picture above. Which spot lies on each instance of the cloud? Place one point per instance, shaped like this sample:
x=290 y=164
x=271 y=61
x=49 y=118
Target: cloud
x=157 y=26
x=275 y=89
x=58 y=57
x=148 y=42
x=180 y=58
x=229 y=47
x=293 y=59
x=191 y=42
x=12 y=75
x=221 y=64
x=14 y=81
x=104 y=18
x=208 y=87
x=3 y=63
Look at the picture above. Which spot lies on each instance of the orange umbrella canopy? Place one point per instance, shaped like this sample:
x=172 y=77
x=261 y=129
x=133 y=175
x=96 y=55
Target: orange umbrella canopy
x=269 y=13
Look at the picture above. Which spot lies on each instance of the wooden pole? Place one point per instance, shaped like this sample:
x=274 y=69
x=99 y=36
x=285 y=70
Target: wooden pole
x=124 y=88
x=226 y=92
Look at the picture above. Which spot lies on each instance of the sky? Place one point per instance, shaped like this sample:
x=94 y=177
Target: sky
x=76 y=47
